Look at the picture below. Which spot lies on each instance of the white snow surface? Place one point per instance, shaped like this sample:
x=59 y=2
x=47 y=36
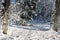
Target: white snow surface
x=28 y=33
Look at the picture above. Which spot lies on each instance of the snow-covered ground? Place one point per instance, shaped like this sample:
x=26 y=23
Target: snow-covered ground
x=29 y=33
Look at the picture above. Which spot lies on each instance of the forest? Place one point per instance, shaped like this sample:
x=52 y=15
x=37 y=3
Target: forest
x=29 y=15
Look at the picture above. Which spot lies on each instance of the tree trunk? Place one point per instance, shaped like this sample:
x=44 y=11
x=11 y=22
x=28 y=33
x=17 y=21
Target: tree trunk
x=5 y=19
x=56 y=15
x=5 y=23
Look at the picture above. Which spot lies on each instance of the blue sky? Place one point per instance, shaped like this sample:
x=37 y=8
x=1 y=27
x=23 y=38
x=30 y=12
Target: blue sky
x=13 y=1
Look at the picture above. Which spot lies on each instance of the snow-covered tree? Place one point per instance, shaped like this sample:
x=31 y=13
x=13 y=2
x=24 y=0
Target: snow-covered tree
x=28 y=10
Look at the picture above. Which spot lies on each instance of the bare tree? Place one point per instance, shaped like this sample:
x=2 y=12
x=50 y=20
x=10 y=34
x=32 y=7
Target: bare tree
x=5 y=14
x=56 y=15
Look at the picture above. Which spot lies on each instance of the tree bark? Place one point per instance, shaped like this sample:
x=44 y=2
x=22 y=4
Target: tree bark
x=56 y=15
x=5 y=19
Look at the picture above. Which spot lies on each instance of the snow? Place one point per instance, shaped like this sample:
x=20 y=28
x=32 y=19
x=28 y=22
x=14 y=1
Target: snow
x=36 y=32
x=18 y=33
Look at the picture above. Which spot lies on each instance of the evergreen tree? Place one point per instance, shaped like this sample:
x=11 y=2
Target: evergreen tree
x=30 y=8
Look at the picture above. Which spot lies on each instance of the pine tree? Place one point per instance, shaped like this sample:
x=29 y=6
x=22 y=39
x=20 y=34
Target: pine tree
x=29 y=7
